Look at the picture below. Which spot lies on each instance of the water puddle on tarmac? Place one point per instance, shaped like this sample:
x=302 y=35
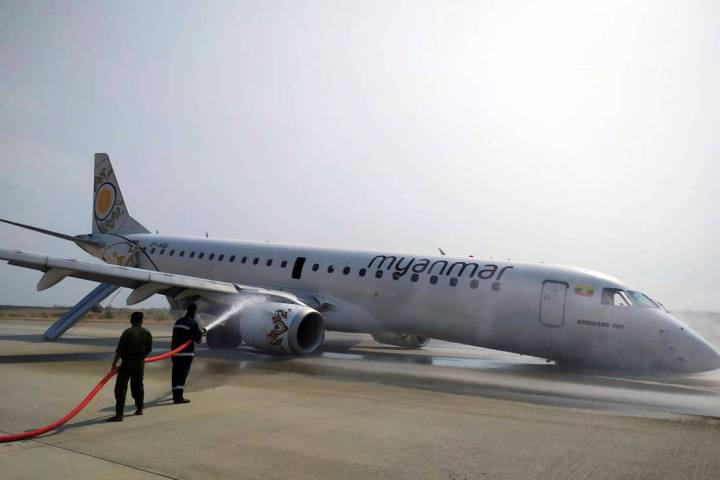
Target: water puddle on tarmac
x=466 y=363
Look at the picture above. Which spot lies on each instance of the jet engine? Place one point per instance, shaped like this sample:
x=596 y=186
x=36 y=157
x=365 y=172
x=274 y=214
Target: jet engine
x=223 y=336
x=276 y=327
x=406 y=340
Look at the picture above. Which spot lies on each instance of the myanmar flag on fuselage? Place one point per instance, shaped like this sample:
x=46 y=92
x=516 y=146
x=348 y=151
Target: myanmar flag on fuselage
x=584 y=290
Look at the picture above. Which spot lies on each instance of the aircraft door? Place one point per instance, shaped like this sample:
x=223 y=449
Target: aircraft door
x=552 y=303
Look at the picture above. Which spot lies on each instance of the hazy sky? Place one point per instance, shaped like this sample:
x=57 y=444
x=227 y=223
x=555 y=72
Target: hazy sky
x=583 y=133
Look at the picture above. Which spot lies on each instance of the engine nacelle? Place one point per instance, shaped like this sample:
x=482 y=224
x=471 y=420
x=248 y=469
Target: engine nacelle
x=406 y=340
x=223 y=337
x=282 y=327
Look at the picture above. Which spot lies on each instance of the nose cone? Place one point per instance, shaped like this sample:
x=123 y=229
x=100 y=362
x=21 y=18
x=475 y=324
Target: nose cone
x=699 y=354
x=686 y=350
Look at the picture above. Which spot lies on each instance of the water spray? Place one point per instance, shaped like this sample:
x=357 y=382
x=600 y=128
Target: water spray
x=236 y=308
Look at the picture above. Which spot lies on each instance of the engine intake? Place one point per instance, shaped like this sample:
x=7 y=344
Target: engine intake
x=282 y=327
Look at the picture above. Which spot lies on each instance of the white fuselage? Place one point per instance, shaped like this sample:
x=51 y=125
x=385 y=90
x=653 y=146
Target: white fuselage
x=535 y=309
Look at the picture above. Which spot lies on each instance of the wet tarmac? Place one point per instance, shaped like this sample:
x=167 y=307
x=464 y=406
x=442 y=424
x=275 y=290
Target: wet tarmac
x=357 y=409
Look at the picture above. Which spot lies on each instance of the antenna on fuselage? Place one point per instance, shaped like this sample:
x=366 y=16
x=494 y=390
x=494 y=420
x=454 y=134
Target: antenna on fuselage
x=442 y=252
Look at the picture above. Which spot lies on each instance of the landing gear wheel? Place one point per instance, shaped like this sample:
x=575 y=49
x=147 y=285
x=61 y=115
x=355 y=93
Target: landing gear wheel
x=222 y=338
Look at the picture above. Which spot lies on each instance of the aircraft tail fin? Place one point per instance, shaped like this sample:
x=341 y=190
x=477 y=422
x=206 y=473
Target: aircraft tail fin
x=110 y=213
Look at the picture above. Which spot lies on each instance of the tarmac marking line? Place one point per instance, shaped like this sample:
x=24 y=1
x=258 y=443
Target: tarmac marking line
x=34 y=443
x=144 y=470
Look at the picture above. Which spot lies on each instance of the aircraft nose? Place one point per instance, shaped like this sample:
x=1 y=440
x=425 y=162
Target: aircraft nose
x=703 y=357
x=695 y=353
x=684 y=350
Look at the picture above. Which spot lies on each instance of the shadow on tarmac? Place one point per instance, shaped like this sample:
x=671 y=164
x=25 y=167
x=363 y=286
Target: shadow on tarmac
x=161 y=401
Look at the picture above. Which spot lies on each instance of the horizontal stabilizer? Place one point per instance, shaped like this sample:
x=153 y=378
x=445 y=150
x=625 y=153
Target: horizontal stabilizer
x=51 y=233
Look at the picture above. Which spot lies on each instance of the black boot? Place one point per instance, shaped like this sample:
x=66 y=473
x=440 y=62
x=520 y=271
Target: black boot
x=118 y=415
x=178 y=397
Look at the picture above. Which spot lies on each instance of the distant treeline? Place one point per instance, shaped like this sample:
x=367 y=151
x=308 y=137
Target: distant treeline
x=42 y=313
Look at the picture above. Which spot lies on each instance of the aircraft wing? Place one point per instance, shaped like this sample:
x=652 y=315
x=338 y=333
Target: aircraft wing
x=144 y=283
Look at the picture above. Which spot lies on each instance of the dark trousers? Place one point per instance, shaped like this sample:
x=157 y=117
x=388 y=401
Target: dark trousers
x=180 y=371
x=134 y=373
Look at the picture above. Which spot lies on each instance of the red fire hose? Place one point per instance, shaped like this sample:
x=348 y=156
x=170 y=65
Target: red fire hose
x=39 y=431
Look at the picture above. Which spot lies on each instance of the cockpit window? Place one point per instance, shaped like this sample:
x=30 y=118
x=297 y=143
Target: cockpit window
x=641 y=300
x=615 y=297
x=627 y=298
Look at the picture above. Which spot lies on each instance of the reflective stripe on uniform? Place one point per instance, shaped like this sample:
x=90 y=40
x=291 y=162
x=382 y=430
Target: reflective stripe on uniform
x=184 y=327
x=185 y=354
x=179 y=387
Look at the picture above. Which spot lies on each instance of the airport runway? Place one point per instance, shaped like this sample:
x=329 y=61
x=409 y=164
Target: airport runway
x=358 y=410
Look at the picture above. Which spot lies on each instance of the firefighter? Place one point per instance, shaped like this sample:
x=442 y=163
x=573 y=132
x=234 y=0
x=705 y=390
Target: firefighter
x=186 y=328
x=134 y=345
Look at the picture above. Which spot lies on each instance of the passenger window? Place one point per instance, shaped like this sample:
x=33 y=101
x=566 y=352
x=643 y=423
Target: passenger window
x=474 y=283
x=346 y=270
x=615 y=297
x=283 y=264
x=172 y=252
x=256 y=260
x=453 y=282
x=269 y=262
x=414 y=278
x=182 y=253
x=192 y=254
x=433 y=279
x=220 y=258
x=232 y=258
x=152 y=250
x=212 y=255
x=361 y=272
x=201 y=255
x=243 y=260
x=379 y=274
x=396 y=275
x=331 y=269
x=316 y=267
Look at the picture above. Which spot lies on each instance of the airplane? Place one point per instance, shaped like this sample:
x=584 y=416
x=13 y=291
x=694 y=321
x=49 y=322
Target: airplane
x=282 y=298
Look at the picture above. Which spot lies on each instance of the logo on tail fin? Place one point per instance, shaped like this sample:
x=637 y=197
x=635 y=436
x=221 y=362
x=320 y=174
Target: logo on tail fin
x=105 y=201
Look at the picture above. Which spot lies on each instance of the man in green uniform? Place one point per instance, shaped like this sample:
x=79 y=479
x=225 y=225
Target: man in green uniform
x=134 y=345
